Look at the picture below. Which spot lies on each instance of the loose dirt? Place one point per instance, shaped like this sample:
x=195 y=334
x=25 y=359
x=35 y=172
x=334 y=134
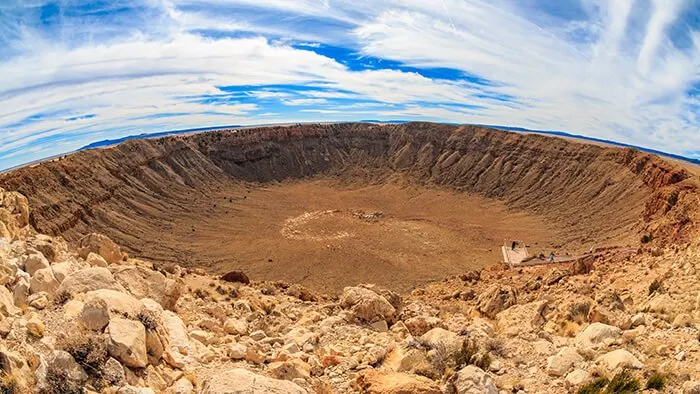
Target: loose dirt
x=327 y=235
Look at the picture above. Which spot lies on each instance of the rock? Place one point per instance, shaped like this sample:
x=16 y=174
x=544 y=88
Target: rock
x=241 y=381
x=374 y=382
x=290 y=369
x=472 y=380
x=38 y=301
x=597 y=333
x=419 y=325
x=35 y=262
x=379 y=326
x=182 y=386
x=89 y=279
x=236 y=277
x=563 y=361
x=117 y=302
x=113 y=372
x=35 y=326
x=21 y=289
x=555 y=276
x=366 y=305
x=691 y=387
x=661 y=303
x=680 y=356
x=237 y=351
x=95 y=260
x=127 y=342
x=583 y=266
x=95 y=313
x=495 y=299
x=404 y=359
x=439 y=336
x=14 y=365
x=619 y=358
x=258 y=335
x=638 y=320
x=202 y=336
x=47 y=246
x=683 y=320
x=522 y=319
x=577 y=377
x=63 y=270
x=154 y=347
x=101 y=245
x=177 y=343
x=129 y=389
x=146 y=283
x=43 y=280
x=62 y=363
x=236 y=326
x=7 y=306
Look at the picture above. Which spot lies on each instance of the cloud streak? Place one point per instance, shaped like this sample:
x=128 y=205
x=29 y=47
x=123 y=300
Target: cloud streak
x=73 y=72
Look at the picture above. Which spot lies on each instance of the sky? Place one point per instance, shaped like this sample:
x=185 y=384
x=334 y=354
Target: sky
x=73 y=72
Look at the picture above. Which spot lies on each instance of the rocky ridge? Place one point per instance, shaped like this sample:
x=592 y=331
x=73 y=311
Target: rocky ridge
x=91 y=319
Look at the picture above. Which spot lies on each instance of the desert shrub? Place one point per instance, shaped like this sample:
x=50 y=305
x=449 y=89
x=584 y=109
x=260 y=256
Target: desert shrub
x=646 y=238
x=495 y=347
x=469 y=355
x=623 y=383
x=594 y=387
x=201 y=293
x=62 y=297
x=656 y=381
x=655 y=286
x=57 y=382
x=148 y=319
x=90 y=351
x=8 y=384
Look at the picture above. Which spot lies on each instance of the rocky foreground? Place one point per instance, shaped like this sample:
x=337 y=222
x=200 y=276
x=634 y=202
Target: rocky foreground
x=90 y=319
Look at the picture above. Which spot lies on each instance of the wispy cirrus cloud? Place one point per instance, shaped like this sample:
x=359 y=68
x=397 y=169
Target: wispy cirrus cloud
x=75 y=71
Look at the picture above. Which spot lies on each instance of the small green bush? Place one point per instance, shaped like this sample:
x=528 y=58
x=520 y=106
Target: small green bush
x=655 y=286
x=656 y=381
x=623 y=383
x=594 y=387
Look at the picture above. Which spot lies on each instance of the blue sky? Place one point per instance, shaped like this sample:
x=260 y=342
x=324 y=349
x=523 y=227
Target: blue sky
x=74 y=72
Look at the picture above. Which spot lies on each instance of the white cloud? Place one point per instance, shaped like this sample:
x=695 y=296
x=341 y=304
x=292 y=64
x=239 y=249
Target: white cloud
x=612 y=71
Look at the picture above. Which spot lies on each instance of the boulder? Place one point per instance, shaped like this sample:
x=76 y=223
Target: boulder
x=14 y=365
x=619 y=358
x=127 y=342
x=522 y=319
x=47 y=246
x=406 y=359
x=176 y=343
x=117 y=302
x=290 y=369
x=660 y=303
x=63 y=270
x=34 y=262
x=563 y=361
x=691 y=387
x=683 y=320
x=182 y=386
x=577 y=377
x=241 y=381
x=61 y=363
x=235 y=326
x=441 y=337
x=236 y=277
x=43 y=280
x=472 y=380
x=101 y=245
x=89 y=279
x=129 y=389
x=366 y=305
x=419 y=325
x=146 y=283
x=21 y=289
x=95 y=260
x=35 y=326
x=7 y=305
x=597 y=333
x=14 y=213
x=374 y=382
x=495 y=299
x=95 y=314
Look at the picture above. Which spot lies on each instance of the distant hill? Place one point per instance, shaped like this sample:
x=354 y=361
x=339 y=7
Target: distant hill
x=116 y=141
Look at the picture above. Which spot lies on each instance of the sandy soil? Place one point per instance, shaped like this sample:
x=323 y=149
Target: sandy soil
x=327 y=235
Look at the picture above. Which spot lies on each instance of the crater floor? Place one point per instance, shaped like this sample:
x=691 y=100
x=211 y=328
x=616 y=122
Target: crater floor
x=327 y=235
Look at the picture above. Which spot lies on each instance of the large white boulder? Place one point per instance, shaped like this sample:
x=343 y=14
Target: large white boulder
x=472 y=380
x=43 y=280
x=241 y=381
x=563 y=361
x=597 y=333
x=147 y=283
x=619 y=358
x=102 y=245
x=127 y=342
x=366 y=305
x=89 y=279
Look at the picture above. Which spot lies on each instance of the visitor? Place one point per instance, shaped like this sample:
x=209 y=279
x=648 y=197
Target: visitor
x=551 y=257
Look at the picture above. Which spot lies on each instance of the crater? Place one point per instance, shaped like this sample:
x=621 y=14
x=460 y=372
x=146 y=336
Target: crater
x=334 y=205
